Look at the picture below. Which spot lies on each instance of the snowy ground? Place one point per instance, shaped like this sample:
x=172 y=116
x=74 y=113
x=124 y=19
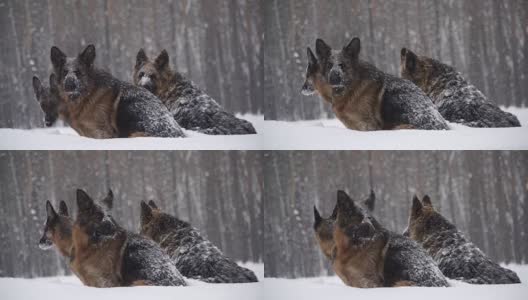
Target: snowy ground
x=281 y=135
x=58 y=288
x=65 y=138
x=332 y=288
x=332 y=135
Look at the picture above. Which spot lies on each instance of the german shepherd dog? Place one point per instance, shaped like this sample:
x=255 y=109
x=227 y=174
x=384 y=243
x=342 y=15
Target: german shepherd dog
x=49 y=101
x=405 y=263
x=457 y=257
x=456 y=99
x=365 y=98
x=102 y=106
x=106 y=255
x=58 y=226
x=191 y=107
x=57 y=230
x=324 y=227
x=360 y=249
x=193 y=255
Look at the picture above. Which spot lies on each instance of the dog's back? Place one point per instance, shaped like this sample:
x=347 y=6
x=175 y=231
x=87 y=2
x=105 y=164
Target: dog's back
x=194 y=256
x=144 y=263
x=408 y=261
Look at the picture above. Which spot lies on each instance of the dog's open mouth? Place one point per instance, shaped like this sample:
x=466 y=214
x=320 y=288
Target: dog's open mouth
x=73 y=95
x=338 y=89
x=45 y=245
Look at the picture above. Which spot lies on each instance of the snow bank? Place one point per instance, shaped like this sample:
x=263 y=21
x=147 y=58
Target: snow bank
x=58 y=288
x=65 y=138
x=332 y=288
x=281 y=135
x=332 y=135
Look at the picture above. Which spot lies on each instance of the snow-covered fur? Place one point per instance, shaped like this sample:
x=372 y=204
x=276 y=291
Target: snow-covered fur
x=192 y=108
x=365 y=98
x=408 y=261
x=457 y=257
x=106 y=255
x=194 y=256
x=102 y=106
x=457 y=100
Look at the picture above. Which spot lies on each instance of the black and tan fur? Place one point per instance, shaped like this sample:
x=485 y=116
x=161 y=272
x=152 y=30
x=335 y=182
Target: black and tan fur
x=360 y=250
x=106 y=255
x=57 y=230
x=99 y=105
x=191 y=107
x=365 y=98
x=324 y=227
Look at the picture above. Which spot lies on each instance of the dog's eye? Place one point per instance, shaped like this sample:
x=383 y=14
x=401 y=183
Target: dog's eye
x=341 y=65
x=141 y=74
x=329 y=65
x=77 y=73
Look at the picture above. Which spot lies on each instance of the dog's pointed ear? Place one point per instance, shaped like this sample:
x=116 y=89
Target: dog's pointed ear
x=63 y=209
x=343 y=199
x=141 y=58
x=317 y=217
x=333 y=216
x=416 y=208
x=109 y=199
x=353 y=48
x=152 y=204
x=311 y=57
x=88 y=55
x=37 y=86
x=371 y=200
x=426 y=201
x=52 y=80
x=162 y=60
x=346 y=204
x=58 y=58
x=84 y=202
x=50 y=211
x=409 y=59
x=322 y=49
x=146 y=213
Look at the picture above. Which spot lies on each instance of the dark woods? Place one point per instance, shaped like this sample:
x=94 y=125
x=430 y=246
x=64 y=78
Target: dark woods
x=486 y=40
x=217 y=44
x=484 y=193
x=217 y=192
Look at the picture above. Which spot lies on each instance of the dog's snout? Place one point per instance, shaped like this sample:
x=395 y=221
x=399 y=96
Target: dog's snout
x=70 y=83
x=335 y=77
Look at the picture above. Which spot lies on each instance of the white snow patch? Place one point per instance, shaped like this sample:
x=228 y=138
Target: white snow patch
x=332 y=287
x=331 y=134
x=69 y=287
x=65 y=138
x=324 y=134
